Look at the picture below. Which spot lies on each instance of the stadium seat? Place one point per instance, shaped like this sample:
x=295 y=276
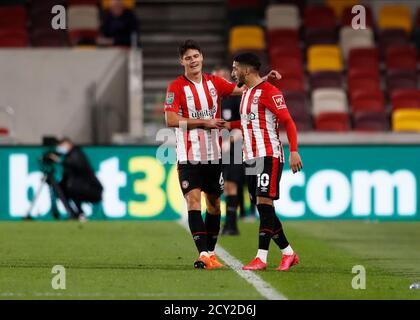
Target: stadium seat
x=329 y=100
x=290 y=82
x=83 y=24
x=49 y=38
x=401 y=57
x=130 y=4
x=11 y=38
x=320 y=36
x=351 y=38
x=82 y=2
x=237 y=4
x=405 y=99
x=279 y=16
x=400 y=79
x=391 y=37
x=246 y=37
x=280 y=38
x=406 y=120
x=370 y=121
x=396 y=16
x=285 y=52
x=332 y=121
x=339 y=6
x=13 y=17
x=363 y=79
x=288 y=61
x=297 y=106
x=367 y=101
x=324 y=58
x=319 y=17
x=325 y=79
x=363 y=58
x=347 y=17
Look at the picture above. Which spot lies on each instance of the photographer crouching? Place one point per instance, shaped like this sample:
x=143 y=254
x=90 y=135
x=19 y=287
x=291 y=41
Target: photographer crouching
x=79 y=183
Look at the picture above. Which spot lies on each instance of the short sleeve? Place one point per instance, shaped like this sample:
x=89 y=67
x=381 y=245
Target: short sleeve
x=172 y=98
x=223 y=87
x=274 y=100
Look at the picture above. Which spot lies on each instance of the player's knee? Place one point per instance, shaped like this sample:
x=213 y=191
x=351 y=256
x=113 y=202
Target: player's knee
x=193 y=199
x=230 y=188
x=264 y=200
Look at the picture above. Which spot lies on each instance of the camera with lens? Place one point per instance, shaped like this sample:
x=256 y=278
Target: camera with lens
x=46 y=163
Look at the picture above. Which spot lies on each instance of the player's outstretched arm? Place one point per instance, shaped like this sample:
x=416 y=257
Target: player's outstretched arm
x=273 y=74
x=174 y=120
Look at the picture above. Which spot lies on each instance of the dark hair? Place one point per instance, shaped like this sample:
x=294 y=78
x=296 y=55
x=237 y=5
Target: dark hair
x=188 y=44
x=248 y=59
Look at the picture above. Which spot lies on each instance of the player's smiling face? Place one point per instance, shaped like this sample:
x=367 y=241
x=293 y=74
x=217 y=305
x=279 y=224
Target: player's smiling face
x=238 y=73
x=192 y=61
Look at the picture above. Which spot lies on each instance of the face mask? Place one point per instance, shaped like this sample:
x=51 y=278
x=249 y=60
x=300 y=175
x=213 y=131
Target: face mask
x=62 y=150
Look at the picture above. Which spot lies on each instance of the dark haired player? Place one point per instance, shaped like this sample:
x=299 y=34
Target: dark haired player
x=192 y=107
x=262 y=110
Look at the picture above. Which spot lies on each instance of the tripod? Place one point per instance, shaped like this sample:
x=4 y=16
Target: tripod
x=55 y=191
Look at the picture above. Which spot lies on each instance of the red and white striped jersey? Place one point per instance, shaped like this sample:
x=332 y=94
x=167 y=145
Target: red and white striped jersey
x=262 y=108
x=197 y=101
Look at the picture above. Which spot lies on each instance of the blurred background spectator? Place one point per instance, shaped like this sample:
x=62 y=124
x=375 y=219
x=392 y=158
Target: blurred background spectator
x=119 y=25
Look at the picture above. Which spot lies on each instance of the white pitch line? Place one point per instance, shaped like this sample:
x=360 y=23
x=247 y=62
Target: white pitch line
x=256 y=281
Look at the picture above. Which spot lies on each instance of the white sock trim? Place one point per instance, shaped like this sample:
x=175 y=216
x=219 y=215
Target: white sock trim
x=204 y=253
x=287 y=251
x=262 y=254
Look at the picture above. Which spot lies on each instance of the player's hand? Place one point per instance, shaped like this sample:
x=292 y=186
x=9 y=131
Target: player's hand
x=215 y=124
x=273 y=75
x=295 y=162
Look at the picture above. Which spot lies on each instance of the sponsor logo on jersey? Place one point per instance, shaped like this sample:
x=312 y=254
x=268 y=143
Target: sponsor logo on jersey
x=279 y=101
x=170 y=98
x=203 y=114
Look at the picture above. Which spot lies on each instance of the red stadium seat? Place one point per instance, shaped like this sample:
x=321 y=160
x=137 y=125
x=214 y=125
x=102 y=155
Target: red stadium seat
x=12 y=17
x=391 y=37
x=297 y=106
x=370 y=121
x=319 y=17
x=360 y=79
x=82 y=2
x=367 y=101
x=363 y=58
x=401 y=79
x=320 y=36
x=81 y=37
x=288 y=67
x=417 y=22
x=332 y=121
x=282 y=38
x=285 y=52
x=237 y=4
x=405 y=99
x=49 y=38
x=290 y=82
x=13 y=38
x=347 y=17
x=325 y=79
x=401 y=57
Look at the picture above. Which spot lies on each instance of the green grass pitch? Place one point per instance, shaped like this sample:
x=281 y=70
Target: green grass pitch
x=154 y=260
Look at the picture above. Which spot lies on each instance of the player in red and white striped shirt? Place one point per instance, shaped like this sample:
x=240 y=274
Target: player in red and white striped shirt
x=192 y=107
x=262 y=110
